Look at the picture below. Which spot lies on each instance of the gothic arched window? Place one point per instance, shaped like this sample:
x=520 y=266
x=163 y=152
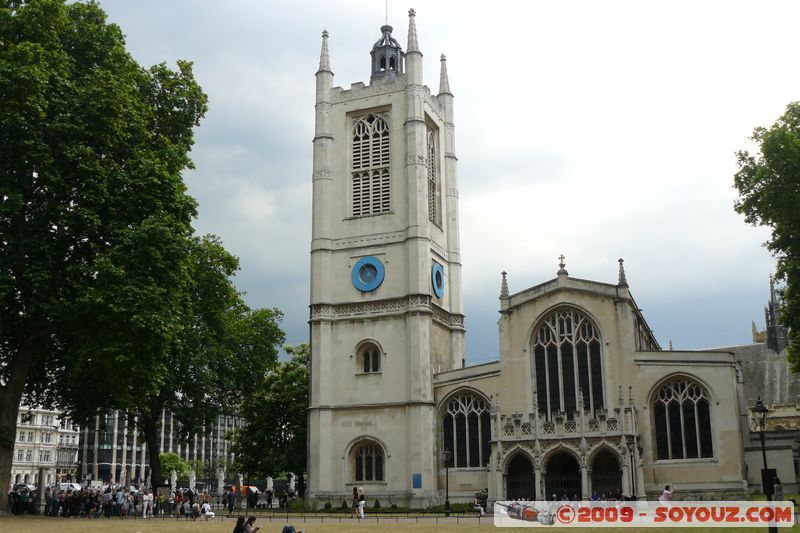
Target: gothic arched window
x=369 y=358
x=367 y=461
x=567 y=357
x=431 y=160
x=681 y=410
x=466 y=432
x=371 y=184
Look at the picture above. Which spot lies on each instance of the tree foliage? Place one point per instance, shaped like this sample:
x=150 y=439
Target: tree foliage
x=273 y=439
x=171 y=462
x=769 y=188
x=107 y=300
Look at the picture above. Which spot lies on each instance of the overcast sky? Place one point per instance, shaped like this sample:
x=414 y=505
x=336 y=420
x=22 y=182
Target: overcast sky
x=594 y=129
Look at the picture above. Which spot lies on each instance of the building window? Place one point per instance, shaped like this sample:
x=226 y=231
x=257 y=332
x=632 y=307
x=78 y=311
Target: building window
x=30 y=436
x=22 y=436
x=466 y=431
x=368 y=461
x=29 y=455
x=19 y=455
x=371 y=184
x=567 y=363
x=369 y=358
x=432 y=164
x=681 y=410
x=46 y=438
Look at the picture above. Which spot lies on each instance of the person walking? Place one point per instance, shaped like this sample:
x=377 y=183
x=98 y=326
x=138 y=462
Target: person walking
x=354 y=503
x=666 y=496
x=362 y=501
x=231 y=501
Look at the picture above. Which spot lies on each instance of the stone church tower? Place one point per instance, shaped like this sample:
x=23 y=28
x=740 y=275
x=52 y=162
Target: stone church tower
x=386 y=310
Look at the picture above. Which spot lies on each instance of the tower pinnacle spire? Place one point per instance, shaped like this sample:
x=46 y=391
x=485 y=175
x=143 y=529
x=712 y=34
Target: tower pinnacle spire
x=413 y=44
x=622 y=281
x=324 y=55
x=444 y=82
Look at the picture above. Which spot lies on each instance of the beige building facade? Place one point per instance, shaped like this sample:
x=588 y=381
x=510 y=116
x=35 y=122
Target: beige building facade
x=583 y=399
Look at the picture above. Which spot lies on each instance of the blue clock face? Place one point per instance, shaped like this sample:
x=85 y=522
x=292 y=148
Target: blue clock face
x=368 y=274
x=437 y=279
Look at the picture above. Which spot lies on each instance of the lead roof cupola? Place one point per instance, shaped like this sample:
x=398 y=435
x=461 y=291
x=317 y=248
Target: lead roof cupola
x=387 y=56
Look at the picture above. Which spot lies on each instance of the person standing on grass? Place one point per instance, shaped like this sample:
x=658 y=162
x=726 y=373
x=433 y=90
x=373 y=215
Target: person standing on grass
x=147 y=504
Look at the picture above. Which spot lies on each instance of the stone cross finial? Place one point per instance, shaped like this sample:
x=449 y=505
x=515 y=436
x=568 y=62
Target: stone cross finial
x=623 y=281
x=504 y=285
x=561 y=265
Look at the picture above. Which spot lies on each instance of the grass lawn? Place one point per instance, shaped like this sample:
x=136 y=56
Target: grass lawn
x=79 y=525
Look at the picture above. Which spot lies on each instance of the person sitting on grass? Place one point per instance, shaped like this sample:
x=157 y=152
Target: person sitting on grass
x=206 y=511
x=250 y=526
x=195 y=511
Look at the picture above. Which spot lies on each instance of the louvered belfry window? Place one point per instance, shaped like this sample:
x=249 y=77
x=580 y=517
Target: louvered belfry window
x=431 y=161
x=371 y=185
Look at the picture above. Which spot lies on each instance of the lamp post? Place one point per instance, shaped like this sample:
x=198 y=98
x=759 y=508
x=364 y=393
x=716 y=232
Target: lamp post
x=760 y=410
x=446 y=455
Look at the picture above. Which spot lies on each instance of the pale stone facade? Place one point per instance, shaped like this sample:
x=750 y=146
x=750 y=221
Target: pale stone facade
x=46 y=442
x=582 y=400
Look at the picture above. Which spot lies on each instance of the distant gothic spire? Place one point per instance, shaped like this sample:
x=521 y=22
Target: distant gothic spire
x=413 y=45
x=623 y=282
x=324 y=55
x=503 y=286
x=444 y=83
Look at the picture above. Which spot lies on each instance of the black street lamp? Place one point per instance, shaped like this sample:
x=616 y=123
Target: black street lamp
x=446 y=455
x=760 y=411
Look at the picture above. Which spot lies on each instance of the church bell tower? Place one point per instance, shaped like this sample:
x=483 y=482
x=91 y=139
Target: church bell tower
x=386 y=311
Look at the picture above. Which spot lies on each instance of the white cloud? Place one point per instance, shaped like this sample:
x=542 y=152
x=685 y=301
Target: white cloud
x=593 y=129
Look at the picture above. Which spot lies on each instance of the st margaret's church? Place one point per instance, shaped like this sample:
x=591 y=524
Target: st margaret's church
x=583 y=399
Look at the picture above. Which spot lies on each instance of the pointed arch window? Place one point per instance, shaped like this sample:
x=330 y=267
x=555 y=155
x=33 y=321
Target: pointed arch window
x=368 y=461
x=431 y=163
x=466 y=431
x=681 y=410
x=371 y=184
x=568 y=357
x=369 y=358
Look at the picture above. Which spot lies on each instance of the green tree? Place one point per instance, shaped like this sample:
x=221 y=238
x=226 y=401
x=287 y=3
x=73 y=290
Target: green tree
x=92 y=147
x=189 y=345
x=274 y=437
x=769 y=195
x=171 y=462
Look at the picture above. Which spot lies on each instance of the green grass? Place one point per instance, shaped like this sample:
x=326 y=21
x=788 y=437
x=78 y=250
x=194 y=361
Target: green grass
x=116 y=525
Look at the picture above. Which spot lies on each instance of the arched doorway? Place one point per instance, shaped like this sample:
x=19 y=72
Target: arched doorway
x=606 y=475
x=563 y=477
x=520 y=482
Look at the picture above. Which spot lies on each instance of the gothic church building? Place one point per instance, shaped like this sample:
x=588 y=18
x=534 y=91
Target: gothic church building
x=583 y=400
